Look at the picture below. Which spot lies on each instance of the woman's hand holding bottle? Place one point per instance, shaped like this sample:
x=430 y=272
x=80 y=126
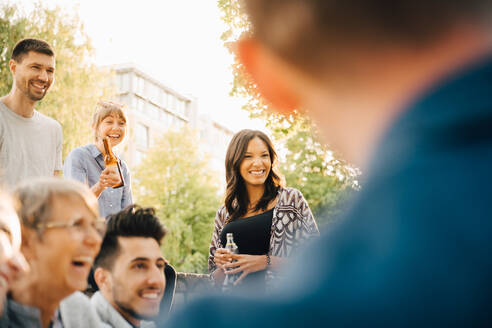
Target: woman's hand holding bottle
x=245 y=264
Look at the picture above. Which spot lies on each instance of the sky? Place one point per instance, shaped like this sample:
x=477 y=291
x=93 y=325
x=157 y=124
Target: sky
x=175 y=41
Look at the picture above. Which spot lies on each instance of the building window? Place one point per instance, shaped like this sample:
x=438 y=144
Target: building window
x=164 y=99
x=147 y=89
x=142 y=136
x=181 y=107
x=153 y=111
x=140 y=89
x=187 y=110
x=166 y=119
x=140 y=105
x=154 y=93
x=139 y=156
x=160 y=97
x=171 y=102
x=124 y=83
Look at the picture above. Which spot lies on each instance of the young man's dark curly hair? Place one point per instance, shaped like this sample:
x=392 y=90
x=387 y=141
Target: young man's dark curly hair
x=133 y=221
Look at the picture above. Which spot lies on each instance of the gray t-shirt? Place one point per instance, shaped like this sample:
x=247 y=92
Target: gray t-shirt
x=29 y=147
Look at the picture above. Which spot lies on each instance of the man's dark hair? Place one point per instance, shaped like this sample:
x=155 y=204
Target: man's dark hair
x=133 y=221
x=305 y=31
x=24 y=46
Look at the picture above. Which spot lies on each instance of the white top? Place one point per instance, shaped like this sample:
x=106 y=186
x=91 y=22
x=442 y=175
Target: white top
x=110 y=316
x=29 y=147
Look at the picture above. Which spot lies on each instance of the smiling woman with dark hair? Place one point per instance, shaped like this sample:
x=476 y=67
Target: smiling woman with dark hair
x=268 y=221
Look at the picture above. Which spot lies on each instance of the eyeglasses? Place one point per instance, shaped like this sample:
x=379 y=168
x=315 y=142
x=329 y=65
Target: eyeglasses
x=79 y=225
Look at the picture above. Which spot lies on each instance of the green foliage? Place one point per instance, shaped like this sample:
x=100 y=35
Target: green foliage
x=308 y=165
x=178 y=183
x=79 y=84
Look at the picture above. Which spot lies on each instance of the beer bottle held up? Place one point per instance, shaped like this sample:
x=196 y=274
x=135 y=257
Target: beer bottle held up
x=112 y=162
x=230 y=278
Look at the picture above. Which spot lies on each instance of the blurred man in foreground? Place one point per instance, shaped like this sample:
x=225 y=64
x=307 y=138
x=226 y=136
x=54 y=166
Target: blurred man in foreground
x=402 y=88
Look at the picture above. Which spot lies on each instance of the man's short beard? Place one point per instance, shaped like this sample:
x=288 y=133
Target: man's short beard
x=132 y=312
x=35 y=98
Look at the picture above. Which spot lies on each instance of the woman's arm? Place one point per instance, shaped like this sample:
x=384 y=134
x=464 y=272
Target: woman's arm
x=97 y=189
x=127 y=197
x=215 y=242
x=74 y=167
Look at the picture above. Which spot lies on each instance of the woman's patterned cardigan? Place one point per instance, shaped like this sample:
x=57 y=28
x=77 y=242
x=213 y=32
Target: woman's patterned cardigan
x=292 y=225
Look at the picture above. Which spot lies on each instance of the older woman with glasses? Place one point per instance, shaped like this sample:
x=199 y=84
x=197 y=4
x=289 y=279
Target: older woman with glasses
x=63 y=234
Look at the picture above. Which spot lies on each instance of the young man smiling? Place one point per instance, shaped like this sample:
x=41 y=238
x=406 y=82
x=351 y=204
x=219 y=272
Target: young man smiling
x=30 y=142
x=134 y=281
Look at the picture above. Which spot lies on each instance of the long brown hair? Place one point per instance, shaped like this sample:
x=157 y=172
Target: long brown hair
x=237 y=198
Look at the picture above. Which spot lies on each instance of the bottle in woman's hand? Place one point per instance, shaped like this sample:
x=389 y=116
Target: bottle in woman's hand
x=112 y=164
x=230 y=278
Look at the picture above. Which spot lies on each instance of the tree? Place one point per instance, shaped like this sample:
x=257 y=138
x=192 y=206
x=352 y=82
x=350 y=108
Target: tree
x=178 y=183
x=79 y=83
x=323 y=177
x=309 y=166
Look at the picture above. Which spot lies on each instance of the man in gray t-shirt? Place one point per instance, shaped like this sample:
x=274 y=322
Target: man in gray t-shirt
x=30 y=142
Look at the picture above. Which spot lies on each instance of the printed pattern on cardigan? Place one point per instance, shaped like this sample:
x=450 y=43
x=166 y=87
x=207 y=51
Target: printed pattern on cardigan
x=292 y=225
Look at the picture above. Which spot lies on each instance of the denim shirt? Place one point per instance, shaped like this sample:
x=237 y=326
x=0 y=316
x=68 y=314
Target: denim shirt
x=85 y=164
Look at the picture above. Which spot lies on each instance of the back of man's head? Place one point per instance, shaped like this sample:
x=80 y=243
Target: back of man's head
x=36 y=45
x=133 y=221
x=306 y=31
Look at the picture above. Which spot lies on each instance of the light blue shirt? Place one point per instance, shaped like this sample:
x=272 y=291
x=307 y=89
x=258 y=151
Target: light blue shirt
x=85 y=164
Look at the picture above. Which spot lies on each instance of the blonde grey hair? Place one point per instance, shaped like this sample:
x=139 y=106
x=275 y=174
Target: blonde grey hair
x=103 y=110
x=36 y=198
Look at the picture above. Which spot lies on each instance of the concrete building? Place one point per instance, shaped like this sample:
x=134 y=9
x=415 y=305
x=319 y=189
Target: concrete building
x=214 y=139
x=152 y=109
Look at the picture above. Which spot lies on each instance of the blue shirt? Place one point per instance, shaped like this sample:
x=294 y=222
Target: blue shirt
x=85 y=164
